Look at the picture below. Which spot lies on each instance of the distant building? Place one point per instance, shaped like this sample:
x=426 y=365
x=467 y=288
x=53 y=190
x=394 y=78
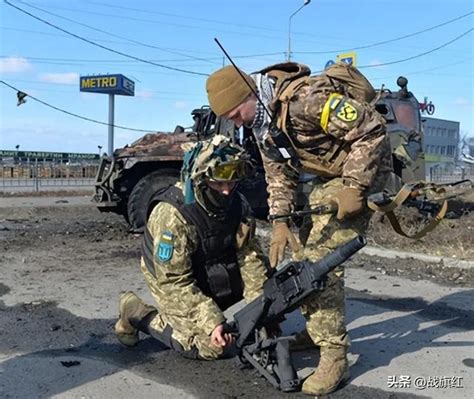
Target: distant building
x=441 y=145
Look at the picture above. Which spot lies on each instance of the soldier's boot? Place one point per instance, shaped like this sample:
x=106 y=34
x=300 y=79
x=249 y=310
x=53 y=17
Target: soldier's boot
x=302 y=342
x=332 y=371
x=132 y=310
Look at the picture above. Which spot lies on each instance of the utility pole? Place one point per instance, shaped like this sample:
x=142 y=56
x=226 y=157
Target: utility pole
x=306 y=2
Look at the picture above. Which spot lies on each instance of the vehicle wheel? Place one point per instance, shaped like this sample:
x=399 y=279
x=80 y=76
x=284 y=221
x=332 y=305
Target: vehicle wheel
x=142 y=193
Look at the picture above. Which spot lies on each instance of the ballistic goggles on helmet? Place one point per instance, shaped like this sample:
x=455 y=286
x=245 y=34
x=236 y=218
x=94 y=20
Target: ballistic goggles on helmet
x=230 y=171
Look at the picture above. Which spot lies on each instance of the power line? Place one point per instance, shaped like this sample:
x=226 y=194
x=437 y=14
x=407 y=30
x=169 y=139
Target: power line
x=32 y=31
x=249 y=56
x=60 y=35
x=213 y=21
x=431 y=69
x=207 y=59
x=216 y=58
x=114 y=35
x=241 y=25
x=421 y=54
x=74 y=85
x=104 y=47
x=390 y=40
x=203 y=74
x=168 y=49
x=81 y=60
x=253 y=27
x=76 y=115
x=414 y=56
x=104 y=64
x=269 y=29
x=131 y=18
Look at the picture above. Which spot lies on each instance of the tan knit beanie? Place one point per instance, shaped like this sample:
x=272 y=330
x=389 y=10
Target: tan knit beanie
x=226 y=89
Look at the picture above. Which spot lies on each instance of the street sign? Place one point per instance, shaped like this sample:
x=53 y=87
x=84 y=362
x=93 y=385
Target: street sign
x=111 y=85
x=108 y=84
x=329 y=63
x=348 y=58
x=47 y=155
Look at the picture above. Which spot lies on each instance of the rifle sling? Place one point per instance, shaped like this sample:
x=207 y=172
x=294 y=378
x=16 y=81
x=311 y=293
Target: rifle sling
x=401 y=196
x=425 y=230
x=399 y=199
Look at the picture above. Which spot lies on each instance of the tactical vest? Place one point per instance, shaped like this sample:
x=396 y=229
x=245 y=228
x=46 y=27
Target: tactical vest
x=214 y=262
x=340 y=78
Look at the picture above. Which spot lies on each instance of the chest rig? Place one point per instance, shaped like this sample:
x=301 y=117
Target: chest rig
x=278 y=145
x=214 y=262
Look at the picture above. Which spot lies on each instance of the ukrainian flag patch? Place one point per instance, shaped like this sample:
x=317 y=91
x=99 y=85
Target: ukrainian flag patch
x=165 y=249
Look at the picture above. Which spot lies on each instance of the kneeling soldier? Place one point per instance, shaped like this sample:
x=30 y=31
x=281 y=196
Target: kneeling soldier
x=199 y=256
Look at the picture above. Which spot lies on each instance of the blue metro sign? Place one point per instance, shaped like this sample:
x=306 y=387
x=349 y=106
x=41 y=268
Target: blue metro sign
x=108 y=84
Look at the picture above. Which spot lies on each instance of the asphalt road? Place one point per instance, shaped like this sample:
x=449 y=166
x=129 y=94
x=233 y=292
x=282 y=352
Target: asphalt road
x=58 y=304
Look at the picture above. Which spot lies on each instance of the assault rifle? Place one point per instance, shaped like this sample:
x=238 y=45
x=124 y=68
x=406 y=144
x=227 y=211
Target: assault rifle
x=428 y=208
x=429 y=198
x=425 y=196
x=283 y=292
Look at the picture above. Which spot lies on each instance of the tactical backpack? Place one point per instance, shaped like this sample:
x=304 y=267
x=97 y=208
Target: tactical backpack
x=348 y=80
x=344 y=78
x=340 y=78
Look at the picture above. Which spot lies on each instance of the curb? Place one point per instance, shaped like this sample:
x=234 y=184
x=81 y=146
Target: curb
x=392 y=254
x=45 y=202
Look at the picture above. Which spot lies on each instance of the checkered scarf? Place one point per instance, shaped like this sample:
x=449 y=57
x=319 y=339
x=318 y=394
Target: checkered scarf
x=261 y=122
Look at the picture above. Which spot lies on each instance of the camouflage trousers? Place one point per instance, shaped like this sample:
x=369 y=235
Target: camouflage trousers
x=321 y=234
x=191 y=340
x=183 y=330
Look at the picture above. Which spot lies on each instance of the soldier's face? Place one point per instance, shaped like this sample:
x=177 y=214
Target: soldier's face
x=243 y=113
x=223 y=187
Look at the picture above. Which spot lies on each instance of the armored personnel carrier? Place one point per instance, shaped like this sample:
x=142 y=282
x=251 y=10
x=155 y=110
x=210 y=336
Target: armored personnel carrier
x=401 y=111
x=127 y=180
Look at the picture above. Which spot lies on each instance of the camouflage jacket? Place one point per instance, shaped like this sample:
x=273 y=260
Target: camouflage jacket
x=175 y=288
x=333 y=135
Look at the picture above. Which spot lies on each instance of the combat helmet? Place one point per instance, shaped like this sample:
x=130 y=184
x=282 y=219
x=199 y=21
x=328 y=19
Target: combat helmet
x=216 y=159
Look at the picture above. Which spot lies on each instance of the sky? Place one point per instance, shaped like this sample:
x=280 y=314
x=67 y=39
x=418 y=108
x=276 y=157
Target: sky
x=167 y=48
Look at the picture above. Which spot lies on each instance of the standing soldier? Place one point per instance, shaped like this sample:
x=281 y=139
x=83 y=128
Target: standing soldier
x=199 y=256
x=323 y=125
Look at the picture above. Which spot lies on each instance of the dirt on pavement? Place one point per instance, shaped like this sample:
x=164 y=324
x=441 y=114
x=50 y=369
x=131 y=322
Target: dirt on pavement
x=453 y=237
x=77 y=247
x=73 y=232
x=57 y=252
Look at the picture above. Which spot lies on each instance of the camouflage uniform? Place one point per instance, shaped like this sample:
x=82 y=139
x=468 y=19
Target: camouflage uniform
x=199 y=254
x=181 y=304
x=342 y=141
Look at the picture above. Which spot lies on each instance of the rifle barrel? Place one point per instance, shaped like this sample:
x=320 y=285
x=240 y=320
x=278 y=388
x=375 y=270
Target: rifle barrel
x=342 y=253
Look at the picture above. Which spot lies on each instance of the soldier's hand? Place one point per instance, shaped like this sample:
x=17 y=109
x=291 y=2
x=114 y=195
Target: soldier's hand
x=281 y=235
x=221 y=338
x=350 y=202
